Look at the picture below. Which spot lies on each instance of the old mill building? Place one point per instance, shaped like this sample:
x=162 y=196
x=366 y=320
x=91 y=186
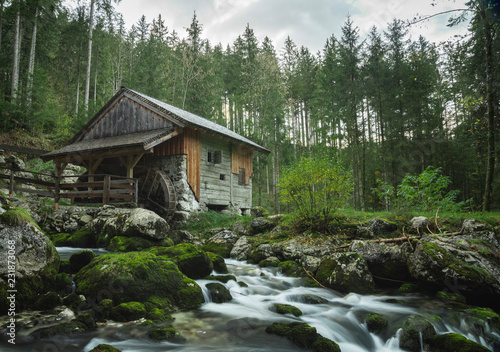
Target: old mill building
x=183 y=162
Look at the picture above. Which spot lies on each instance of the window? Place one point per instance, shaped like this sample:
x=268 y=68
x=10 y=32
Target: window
x=214 y=157
x=241 y=177
x=222 y=177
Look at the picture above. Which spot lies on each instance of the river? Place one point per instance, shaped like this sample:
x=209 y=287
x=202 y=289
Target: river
x=239 y=325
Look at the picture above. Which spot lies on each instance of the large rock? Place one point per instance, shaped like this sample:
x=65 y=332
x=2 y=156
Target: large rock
x=261 y=225
x=34 y=259
x=296 y=248
x=374 y=228
x=241 y=249
x=222 y=243
x=145 y=223
x=420 y=224
x=384 y=260
x=457 y=264
x=416 y=330
x=345 y=272
x=137 y=276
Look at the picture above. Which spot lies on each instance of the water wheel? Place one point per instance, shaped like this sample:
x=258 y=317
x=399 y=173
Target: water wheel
x=158 y=193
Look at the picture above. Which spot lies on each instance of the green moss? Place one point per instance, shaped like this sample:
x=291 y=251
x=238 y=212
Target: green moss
x=64 y=329
x=64 y=266
x=291 y=268
x=83 y=238
x=218 y=263
x=268 y=262
x=158 y=302
x=286 y=309
x=47 y=301
x=375 y=323
x=166 y=333
x=158 y=315
x=87 y=319
x=322 y=344
x=17 y=216
x=450 y=296
x=136 y=276
x=481 y=316
x=74 y=302
x=128 y=311
x=193 y=262
x=218 y=292
x=104 y=348
x=80 y=259
x=408 y=288
x=218 y=249
x=63 y=283
x=128 y=244
x=303 y=335
x=309 y=299
x=414 y=329
x=455 y=343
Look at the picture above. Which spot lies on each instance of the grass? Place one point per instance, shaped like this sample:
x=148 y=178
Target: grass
x=201 y=222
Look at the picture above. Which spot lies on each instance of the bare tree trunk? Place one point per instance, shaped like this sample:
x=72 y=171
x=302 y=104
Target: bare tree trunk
x=17 y=52
x=95 y=75
x=1 y=20
x=89 y=57
x=31 y=65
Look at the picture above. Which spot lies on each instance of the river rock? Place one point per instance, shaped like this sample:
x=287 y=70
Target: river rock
x=241 y=249
x=451 y=342
x=145 y=223
x=181 y=236
x=68 y=219
x=444 y=262
x=375 y=227
x=137 y=276
x=218 y=292
x=416 y=328
x=261 y=225
x=345 y=272
x=419 y=224
x=303 y=335
x=296 y=248
x=222 y=243
x=262 y=252
x=384 y=260
x=36 y=260
x=310 y=263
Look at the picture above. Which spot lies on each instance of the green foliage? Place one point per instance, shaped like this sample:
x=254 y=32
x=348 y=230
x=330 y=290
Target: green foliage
x=315 y=187
x=199 y=223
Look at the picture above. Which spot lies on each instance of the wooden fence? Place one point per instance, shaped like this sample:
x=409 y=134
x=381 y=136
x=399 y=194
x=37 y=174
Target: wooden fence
x=108 y=188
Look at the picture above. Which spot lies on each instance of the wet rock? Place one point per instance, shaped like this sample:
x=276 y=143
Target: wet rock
x=36 y=260
x=419 y=224
x=310 y=263
x=218 y=293
x=375 y=323
x=384 y=260
x=308 y=299
x=73 y=327
x=241 y=249
x=261 y=225
x=262 y=252
x=82 y=238
x=218 y=263
x=104 y=348
x=137 y=276
x=80 y=259
x=296 y=248
x=192 y=261
x=222 y=243
x=166 y=333
x=285 y=309
x=303 y=335
x=222 y=278
x=443 y=262
x=128 y=311
x=416 y=328
x=128 y=244
x=181 y=236
x=48 y=301
x=145 y=223
x=269 y=262
x=455 y=343
x=346 y=272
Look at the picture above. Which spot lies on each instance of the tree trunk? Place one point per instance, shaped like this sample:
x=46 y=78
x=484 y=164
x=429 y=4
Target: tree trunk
x=31 y=65
x=89 y=57
x=490 y=171
x=17 y=52
x=1 y=20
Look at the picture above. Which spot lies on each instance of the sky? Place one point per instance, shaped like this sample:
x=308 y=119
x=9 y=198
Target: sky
x=308 y=22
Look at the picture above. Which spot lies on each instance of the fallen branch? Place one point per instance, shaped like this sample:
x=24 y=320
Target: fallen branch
x=312 y=277
x=400 y=239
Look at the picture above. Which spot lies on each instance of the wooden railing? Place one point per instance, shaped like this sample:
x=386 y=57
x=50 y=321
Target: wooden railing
x=109 y=188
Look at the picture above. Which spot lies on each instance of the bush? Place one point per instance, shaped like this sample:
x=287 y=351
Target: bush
x=315 y=186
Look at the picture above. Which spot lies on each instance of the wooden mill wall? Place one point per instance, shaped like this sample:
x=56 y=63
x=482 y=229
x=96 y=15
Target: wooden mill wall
x=126 y=116
x=215 y=191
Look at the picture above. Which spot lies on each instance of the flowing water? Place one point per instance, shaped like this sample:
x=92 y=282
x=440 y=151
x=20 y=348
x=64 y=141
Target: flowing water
x=239 y=325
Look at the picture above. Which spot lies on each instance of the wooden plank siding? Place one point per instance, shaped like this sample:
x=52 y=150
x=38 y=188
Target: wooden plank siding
x=189 y=143
x=126 y=116
x=241 y=157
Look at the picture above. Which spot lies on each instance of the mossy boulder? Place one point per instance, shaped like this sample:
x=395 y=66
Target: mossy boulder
x=451 y=297
x=158 y=315
x=36 y=263
x=415 y=329
x=192 y=261
x=218 y=292
x=218 y=263
x=222 y=243
x=291 y=268
x=285 y=309
x=222 y=278
x=17 y=216
x=80 y=259
x=375 y=323
x=135 y=276
x=409 y=288
x=48 y=301
x=455 y=343
x=73 y=327
x=87 y=319
x=75 y=302
x=64 y=266
x=304 y=336
x=63 y=284
x=104 y=348
x=345 y=272
x=82 y=238
x=129 y=244
x=308 y=299
x=166 y=333
x=128 y=311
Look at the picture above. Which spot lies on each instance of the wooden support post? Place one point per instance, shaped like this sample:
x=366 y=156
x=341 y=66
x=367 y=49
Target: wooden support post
x=106 y=190
x=57 y=188
x=11 y=186
x=136 y=191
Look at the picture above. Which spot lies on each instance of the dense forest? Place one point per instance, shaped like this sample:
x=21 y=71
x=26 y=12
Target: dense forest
x=383 y=107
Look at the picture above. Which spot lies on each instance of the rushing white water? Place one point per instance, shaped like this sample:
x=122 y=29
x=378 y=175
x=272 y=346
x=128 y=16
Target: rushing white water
x=239 y=325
